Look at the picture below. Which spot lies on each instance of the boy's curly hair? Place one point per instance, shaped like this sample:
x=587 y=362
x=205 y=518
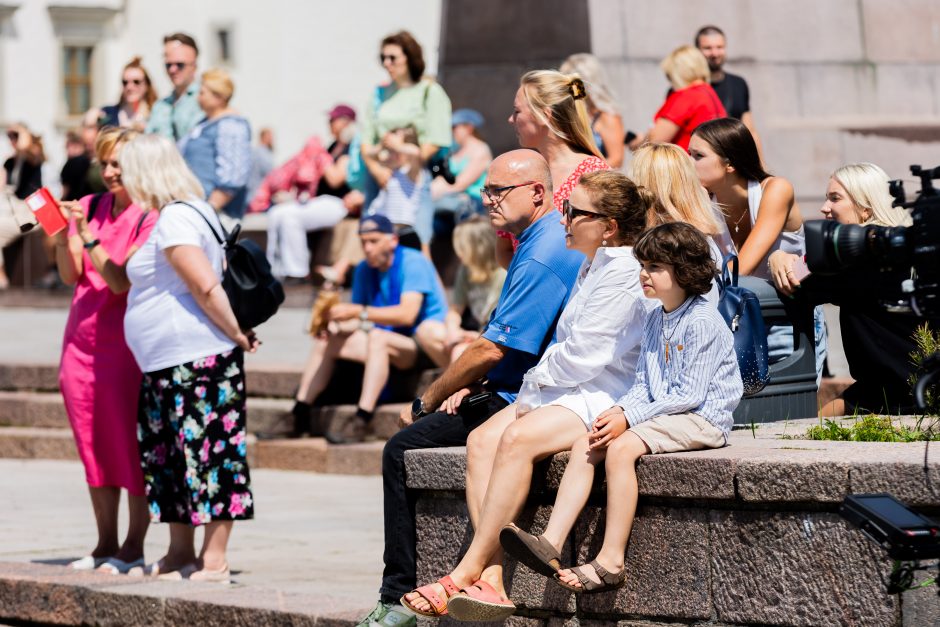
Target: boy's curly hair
x=685 y=248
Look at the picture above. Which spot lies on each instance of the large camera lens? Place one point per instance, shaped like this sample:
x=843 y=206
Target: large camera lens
x=831 y=246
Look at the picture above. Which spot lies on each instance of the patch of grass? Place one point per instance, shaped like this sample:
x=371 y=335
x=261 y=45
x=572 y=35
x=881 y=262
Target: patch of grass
x=874 y=428
x=927 y=343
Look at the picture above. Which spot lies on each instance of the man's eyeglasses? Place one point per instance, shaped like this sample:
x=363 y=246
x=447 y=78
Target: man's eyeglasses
x=571 y=212
x=133 y=81
x=494 y=193
x=179 y=65
x=392 y=58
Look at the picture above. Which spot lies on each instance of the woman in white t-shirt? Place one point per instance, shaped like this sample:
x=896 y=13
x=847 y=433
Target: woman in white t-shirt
x=182 y=331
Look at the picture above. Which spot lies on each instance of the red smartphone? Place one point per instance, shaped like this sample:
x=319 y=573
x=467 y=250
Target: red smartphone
x=47 y=211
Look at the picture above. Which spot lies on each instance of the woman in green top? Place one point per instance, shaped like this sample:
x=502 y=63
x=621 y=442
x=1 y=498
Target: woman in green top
x=409 y=99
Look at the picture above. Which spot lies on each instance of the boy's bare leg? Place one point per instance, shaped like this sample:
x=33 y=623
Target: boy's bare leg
x=573 y=491
x=622 y=494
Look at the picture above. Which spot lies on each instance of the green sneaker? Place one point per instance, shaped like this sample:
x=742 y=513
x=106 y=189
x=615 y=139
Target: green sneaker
x=389 y=615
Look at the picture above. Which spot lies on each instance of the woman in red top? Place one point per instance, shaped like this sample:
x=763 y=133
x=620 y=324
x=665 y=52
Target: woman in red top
x=690 y=102
x=550 y=115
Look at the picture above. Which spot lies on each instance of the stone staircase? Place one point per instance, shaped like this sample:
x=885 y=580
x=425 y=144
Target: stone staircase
x=34 y=425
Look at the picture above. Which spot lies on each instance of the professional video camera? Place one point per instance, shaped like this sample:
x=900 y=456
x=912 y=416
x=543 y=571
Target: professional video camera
x=831 y=247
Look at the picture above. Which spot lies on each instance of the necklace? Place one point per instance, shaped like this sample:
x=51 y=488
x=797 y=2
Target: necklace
x=667 y=340
x=746 y=212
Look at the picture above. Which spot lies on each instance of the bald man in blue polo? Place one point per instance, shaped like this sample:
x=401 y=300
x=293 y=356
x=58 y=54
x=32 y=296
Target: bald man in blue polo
x=487 y=376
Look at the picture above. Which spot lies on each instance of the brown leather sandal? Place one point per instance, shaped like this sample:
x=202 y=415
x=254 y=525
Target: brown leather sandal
x=534 y=551
x=609 y=581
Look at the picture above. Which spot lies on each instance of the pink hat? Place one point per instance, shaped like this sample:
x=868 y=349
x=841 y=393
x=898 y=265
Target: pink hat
x=342 y=111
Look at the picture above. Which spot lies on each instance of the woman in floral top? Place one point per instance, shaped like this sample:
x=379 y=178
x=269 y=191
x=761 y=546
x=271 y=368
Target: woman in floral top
x=184 y=336
x=550 y=115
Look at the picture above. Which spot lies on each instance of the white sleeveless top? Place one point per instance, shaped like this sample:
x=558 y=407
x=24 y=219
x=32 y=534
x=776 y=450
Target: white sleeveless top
x=788 y=241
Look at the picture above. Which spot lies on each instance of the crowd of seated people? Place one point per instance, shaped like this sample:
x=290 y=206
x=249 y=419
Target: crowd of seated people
x=582 y=317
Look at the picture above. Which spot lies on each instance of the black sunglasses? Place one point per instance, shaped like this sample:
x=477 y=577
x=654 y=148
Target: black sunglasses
x=388 y=57
x=179 y=65
x=493 y=193
x=571 y=212
x=133 y=81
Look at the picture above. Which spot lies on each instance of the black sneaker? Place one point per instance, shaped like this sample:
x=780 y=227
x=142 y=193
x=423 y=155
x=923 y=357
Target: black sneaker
x=354 y=432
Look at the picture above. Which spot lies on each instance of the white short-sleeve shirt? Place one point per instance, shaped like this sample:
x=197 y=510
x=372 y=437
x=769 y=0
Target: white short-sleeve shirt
x=164 y=325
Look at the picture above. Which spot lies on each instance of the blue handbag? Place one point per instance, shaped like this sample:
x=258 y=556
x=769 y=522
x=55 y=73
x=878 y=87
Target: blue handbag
x=740 y=308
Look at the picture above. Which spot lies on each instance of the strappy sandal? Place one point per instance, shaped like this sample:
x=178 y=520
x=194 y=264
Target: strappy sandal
x=438 y=605
x=534 y=551
x=609 y=581
x=480 y=602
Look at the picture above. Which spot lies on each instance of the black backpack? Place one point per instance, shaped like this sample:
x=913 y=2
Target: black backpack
x=254 y=293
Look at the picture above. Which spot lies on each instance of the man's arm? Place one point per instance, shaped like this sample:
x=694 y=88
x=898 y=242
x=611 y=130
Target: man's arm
x=479 y=358
x=401 y=315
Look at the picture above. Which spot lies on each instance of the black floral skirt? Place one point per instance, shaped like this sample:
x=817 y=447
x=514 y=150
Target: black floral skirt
x=191 y=430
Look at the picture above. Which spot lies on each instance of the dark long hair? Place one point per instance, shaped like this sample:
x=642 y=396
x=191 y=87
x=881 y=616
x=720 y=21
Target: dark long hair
x=412 y=49
x=733 y=142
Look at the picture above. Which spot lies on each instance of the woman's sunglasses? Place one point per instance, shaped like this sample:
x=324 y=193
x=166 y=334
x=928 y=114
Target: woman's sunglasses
x=571 y=212
x=133 y=81
x=392 y=58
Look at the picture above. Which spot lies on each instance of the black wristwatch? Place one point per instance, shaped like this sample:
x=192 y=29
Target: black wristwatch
x=417 y=409
x=91 y=244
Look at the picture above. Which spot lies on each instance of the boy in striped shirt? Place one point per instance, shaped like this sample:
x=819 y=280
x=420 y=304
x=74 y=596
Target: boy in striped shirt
x=687 y=386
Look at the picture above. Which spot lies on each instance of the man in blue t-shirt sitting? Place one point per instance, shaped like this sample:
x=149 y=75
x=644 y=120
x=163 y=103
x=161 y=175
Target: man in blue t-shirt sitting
x=397 y=297
x=487 y=376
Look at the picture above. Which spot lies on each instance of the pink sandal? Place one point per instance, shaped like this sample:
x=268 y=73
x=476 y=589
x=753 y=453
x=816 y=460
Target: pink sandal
x=480 y=602
x=438 y=605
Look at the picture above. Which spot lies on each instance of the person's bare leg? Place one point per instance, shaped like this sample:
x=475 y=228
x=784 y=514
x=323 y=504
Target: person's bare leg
x=573 y=491
x=138 y=520
x=835 y=407
x=215 y=545
x=430 y=336
x=181 y=551
x=535 y=436
x=481 y=453
x=384 y=349
x=104 y=503
x=622 y=495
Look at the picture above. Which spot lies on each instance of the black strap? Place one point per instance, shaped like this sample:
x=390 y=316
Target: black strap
x=93 y=206
x=140 y=224
x=219 y=239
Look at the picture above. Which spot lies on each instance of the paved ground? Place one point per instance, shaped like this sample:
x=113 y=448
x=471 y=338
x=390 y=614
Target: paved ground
x=313 y=534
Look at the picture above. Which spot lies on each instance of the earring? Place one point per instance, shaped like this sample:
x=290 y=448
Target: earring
x=604 y=242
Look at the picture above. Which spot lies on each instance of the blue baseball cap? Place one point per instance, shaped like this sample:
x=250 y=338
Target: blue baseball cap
x=467 y=116
x=376 y=224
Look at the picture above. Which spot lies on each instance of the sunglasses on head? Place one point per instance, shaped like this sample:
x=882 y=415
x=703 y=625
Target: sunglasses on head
x=132 y=81
x=179 y=65
x=571 y=212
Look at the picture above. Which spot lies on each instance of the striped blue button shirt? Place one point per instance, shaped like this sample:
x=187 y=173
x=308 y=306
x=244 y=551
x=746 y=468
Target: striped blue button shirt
x=701 y=375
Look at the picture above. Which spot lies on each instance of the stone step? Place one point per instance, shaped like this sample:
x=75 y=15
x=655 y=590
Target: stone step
x=267 y=416
x=33 y=593
x=262 y=381
x=308 y=454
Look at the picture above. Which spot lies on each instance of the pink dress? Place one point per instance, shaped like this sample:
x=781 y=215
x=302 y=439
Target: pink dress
x=99 y=379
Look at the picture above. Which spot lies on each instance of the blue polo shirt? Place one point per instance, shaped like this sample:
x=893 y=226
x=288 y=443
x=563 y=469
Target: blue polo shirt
x=537 y=286
x=410 y=272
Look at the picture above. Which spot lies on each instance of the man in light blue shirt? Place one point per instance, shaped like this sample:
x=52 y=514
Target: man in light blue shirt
x=176 y=114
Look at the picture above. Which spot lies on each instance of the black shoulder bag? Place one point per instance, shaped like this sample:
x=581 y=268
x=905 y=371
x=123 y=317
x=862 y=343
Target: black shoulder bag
x=254 y=293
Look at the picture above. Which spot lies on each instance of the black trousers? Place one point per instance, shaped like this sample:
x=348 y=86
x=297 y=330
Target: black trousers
x=436 y=430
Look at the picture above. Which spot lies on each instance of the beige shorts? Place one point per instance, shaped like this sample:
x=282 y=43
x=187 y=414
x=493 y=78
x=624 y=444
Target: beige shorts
x=679 y=432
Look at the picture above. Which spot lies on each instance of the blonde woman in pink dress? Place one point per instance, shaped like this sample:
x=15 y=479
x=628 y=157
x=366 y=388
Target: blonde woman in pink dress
x=99 y=379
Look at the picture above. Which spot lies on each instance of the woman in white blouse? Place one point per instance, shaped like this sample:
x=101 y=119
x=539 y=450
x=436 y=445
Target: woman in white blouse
x=591 y=364
x=184 y=336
